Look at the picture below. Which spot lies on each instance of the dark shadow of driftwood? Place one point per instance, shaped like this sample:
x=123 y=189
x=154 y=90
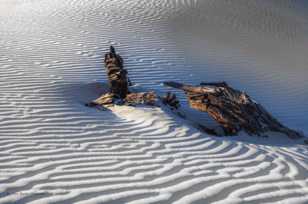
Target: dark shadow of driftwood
x=78 y=94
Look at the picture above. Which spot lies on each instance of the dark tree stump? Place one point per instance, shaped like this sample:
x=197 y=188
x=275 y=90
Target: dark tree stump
x=117 y=75
x=232 y=109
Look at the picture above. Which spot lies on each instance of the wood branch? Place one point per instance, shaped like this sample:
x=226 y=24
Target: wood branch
x=105 y=100
x=232 y=109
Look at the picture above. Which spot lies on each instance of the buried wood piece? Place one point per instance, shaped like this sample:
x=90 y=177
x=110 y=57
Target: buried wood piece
x=147 y=98
x=232 y=109
x=152 y=99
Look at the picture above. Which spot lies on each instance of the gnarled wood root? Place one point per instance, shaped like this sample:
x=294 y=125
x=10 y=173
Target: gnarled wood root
x=232 y=109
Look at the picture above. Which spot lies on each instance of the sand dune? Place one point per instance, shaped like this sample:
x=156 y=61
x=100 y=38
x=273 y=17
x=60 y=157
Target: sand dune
x=55 y=150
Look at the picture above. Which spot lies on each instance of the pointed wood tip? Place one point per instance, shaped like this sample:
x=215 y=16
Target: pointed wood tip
x=112 y=50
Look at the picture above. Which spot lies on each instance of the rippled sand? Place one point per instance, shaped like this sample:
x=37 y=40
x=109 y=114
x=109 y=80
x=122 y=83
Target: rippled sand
x=55 y=150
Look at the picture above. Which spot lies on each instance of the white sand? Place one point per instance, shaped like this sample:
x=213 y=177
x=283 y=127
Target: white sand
x=55 y=150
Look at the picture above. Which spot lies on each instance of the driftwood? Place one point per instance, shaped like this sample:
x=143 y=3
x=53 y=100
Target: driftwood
x=232 y=109
x=117 y=75
x=119 y=87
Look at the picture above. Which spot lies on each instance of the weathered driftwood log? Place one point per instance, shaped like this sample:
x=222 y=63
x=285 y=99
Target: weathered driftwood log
x=232 y=109
x=117 y=75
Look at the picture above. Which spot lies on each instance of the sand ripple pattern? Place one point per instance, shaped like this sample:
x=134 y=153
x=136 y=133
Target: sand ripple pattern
x=55 y=150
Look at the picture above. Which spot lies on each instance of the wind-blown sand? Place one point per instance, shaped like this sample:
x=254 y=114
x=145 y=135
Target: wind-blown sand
x=55 y=150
